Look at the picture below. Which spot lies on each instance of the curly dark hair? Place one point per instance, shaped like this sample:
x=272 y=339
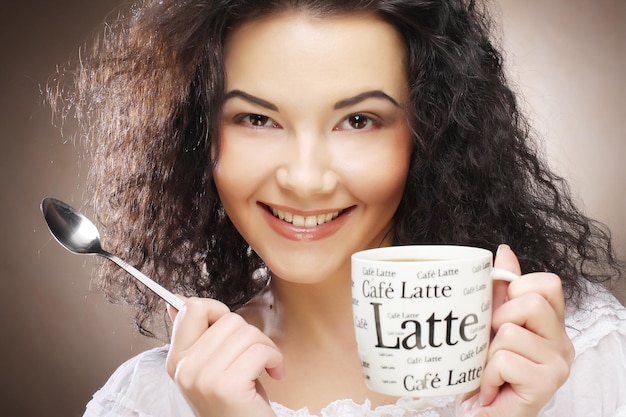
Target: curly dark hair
x=148 y=94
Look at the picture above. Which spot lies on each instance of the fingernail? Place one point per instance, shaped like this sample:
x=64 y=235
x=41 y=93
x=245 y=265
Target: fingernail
x=502 y=245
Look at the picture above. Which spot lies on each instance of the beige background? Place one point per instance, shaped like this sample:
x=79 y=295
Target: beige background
x=60 y=340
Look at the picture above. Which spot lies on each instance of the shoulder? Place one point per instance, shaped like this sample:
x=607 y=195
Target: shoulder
x=599 y=315
x=140 y=387
x=597 y=328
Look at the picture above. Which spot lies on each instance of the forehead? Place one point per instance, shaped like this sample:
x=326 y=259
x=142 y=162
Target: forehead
x=295 y=50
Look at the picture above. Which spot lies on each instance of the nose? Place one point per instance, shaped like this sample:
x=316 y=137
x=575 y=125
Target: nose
x=307 y=166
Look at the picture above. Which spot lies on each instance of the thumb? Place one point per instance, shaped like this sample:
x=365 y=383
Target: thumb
x=172 y=311
x=505 y=259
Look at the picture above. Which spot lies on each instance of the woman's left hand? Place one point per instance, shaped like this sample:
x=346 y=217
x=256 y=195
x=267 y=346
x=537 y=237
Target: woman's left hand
x=530 y=355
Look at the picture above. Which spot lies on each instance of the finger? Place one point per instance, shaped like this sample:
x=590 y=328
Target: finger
x=549 y=286
x=257 y=359
x=215 y=347
x=505 y=259
x=523 y=342
x=194 y=319
x=531 y=383
x=227 y=341
x=531 y=311
x=235 y=365
x=505 y=367
x=172 y=312
x=231 y=369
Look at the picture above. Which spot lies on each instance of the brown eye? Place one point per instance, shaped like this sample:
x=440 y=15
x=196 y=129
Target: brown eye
x=256 y=120
x=358 y=121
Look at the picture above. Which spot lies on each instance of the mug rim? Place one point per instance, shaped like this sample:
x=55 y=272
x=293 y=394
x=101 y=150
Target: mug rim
x=439 y=253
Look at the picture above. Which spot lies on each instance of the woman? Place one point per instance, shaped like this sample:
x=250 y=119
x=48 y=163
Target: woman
x=258 y=144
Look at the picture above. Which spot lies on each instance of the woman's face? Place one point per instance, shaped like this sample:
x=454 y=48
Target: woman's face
x=314 y=145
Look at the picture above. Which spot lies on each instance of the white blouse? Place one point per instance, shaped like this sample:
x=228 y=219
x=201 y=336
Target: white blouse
x=596 y=387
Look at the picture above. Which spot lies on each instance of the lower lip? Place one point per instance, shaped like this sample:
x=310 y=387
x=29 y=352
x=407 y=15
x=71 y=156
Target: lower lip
x=305 y=234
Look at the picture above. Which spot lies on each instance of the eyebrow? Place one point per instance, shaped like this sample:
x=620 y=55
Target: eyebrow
x=364 y=96
x=339 y=105
x=251 y=98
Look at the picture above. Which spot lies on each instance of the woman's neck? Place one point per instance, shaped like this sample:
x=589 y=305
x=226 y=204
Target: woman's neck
x=315 y=314
x=312 y=324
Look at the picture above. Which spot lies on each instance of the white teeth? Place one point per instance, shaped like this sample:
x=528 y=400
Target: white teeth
x=304 y=221
x=310 y=221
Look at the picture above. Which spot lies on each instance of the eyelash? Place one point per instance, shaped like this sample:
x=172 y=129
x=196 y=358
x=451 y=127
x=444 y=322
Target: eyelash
x=249 y=119
x=371 y=122
x=246 y=120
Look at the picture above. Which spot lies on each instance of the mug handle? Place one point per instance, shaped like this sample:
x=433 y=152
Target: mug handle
x=503 y=275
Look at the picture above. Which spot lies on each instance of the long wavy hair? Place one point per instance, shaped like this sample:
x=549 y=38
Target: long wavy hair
x=148 y=94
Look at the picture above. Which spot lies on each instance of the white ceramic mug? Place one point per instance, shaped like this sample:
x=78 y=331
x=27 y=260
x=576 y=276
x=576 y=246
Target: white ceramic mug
x=422 y=317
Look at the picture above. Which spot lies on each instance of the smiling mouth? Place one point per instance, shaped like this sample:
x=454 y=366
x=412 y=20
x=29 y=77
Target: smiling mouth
x=304 y=221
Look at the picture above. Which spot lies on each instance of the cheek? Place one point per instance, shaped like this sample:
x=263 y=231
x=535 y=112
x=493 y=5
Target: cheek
x=229 y=173
x=387 y=184
x=242 y=168
x=379 y=175
x=234 y=159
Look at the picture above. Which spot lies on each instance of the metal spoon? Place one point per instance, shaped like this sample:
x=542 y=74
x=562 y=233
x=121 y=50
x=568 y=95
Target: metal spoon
x=79 y=235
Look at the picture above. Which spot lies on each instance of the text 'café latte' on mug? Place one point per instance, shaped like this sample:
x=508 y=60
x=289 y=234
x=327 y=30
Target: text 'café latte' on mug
x=422 y=317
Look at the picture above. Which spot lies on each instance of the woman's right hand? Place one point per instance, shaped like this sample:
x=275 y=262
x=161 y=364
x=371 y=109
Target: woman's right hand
x=216 y=358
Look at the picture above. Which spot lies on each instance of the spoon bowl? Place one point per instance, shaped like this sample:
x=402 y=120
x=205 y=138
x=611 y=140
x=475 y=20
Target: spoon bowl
x=79 y=235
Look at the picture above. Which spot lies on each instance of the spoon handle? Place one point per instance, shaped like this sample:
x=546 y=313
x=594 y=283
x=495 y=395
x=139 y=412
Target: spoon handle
x=166 y=295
